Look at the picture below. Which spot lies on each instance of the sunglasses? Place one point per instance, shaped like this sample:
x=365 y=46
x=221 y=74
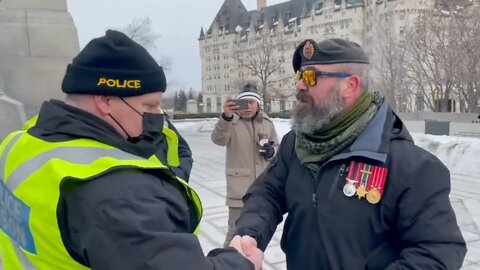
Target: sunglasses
x=310 y=76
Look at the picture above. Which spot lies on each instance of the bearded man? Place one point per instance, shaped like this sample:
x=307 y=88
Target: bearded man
x=358 y=192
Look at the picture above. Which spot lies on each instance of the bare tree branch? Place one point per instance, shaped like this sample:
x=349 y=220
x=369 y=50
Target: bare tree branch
x=140 y=30
x=263 y=58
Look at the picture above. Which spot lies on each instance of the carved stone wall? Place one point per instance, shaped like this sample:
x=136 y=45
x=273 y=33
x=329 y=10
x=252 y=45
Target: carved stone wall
x=38 y=40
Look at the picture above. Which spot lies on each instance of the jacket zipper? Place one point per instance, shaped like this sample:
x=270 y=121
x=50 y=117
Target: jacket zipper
x=314 y=183
x=336 y=182
x=316 y=179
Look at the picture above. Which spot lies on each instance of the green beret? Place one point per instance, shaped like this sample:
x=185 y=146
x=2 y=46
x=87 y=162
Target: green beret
x=328 y=51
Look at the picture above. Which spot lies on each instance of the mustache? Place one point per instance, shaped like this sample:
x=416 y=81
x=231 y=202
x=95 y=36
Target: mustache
x=303 y=96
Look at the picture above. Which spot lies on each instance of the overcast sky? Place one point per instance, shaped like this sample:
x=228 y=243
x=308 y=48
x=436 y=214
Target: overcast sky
x=178 y=23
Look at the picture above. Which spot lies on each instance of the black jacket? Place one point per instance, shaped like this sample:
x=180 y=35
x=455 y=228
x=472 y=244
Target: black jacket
x=412 y=227
x=184 y=154
x=124 y=219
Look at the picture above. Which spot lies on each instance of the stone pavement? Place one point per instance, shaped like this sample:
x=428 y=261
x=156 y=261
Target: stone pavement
x=209 y=180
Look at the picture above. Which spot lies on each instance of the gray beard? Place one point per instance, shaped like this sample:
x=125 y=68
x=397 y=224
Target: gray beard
x=309 y=117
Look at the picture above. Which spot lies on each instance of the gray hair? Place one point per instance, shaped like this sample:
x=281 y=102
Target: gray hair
x=361 y=70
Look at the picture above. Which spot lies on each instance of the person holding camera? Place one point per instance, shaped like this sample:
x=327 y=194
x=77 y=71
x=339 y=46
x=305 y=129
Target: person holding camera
x=251 y=141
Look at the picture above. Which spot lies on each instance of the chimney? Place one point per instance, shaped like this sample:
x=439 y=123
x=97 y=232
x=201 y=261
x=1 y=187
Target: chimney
x=261 y=4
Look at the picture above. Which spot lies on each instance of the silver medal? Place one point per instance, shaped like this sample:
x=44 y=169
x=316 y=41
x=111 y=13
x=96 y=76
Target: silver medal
x=349 y=190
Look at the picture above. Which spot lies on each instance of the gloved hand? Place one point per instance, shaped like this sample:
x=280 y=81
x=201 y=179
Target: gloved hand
x=267 y=150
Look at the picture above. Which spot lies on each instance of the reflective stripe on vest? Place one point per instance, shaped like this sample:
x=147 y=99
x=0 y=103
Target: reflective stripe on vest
x=171 y=137
x=22 y=262
x=32 y=170
x=172 y=144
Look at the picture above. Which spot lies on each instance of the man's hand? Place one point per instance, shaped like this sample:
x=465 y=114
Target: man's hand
x=230 y=107
x=247 y=246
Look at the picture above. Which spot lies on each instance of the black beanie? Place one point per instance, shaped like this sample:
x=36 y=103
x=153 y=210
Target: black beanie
x=328 y=51
x=114 y=65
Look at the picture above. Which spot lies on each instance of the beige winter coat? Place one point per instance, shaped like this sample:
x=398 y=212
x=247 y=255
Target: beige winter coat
x=244 y=162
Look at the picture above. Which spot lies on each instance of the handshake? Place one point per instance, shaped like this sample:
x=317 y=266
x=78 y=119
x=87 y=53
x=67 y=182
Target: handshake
x=247 y=246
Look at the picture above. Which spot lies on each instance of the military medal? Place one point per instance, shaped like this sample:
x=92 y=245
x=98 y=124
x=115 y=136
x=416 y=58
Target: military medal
x=349 y=188
x=373 y=196
x=362 y=189
x=361 y=192
x=378 y=182
x=365 y=181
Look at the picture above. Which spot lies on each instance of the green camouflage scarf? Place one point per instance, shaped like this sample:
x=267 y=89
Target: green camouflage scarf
x=314 y=149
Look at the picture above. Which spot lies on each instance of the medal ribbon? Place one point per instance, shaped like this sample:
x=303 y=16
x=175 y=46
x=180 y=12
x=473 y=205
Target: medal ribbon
x=381 y=179
x=365 y=174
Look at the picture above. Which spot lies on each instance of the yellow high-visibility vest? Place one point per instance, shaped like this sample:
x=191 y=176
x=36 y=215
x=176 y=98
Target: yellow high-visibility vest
x=171 y=137
x=31 y=171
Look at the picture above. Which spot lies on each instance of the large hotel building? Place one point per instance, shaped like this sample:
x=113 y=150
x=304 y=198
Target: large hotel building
x=236 y=31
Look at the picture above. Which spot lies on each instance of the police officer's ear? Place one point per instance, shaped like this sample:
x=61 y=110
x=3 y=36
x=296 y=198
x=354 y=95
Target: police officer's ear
x=103 y=104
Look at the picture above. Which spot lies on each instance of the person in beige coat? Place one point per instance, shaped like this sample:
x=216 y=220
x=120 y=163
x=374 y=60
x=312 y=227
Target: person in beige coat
x=251 y=141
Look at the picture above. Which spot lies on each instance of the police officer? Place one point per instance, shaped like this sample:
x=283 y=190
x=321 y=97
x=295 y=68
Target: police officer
x=359 y=194
x=172 y=148
x=83 y=188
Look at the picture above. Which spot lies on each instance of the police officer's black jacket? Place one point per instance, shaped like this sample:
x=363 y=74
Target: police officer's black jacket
x=125 y=219
x=184 y=154
x=412 y=227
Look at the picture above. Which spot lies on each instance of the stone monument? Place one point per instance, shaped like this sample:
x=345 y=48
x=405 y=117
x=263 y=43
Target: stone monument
x=38 y=40
x=12 y=113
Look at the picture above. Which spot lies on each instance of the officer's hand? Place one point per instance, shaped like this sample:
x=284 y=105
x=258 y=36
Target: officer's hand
x=267 y=151
x=230 y=107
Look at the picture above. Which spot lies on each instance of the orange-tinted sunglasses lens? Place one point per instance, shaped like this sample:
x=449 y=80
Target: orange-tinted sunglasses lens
x=308 y=77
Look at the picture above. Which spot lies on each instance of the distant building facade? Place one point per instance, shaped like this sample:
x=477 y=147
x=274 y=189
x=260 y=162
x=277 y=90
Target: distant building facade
x=236 y=30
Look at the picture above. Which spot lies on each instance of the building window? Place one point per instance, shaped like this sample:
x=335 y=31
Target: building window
x=219 y=104
x=283 y=106
x=209 y=105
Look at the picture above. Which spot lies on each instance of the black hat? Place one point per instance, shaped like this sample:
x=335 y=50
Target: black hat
x=329 y=51
x=114 y=65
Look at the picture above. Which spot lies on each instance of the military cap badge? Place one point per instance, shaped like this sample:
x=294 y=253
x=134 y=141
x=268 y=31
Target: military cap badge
x=308 y=50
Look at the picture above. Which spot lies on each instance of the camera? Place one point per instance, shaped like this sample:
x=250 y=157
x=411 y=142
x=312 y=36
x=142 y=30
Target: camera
x=243 y=103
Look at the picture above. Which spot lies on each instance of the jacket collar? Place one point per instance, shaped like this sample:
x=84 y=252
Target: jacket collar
x=374 y=141
x=58 y=122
